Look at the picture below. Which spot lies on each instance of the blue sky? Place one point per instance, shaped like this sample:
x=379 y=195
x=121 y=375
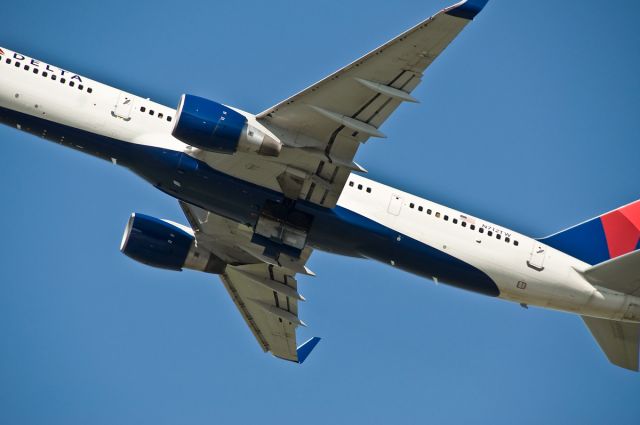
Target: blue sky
x=529 y=119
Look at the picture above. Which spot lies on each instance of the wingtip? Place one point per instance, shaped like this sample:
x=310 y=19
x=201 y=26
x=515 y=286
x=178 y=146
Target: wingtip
x=305 y=348
x=467 y=9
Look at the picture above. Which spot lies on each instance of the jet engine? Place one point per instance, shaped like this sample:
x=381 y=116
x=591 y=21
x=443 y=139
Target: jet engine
x=211 y=126
x=158 y=243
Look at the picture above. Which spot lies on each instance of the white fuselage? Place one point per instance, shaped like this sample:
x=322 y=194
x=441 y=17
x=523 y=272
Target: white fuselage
x=524 y=270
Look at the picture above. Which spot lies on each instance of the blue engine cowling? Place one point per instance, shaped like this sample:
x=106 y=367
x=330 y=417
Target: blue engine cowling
x=213 y=127
x=156 y=243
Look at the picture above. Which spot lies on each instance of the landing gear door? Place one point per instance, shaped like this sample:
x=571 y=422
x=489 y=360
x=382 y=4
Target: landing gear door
x=281 y=229
x=123 y=107
x=395 y=205
x=538 y=255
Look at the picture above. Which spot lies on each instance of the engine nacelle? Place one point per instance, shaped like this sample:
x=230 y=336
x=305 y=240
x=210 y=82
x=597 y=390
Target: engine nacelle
x=158 y=243
x=211 y=126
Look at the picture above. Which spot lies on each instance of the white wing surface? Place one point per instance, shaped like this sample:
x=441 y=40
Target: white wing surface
x=264 y=290
x=619 y=341
x=332 y=118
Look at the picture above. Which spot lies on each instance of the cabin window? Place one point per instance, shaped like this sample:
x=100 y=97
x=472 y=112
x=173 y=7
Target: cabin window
x=446 y=218
x=368 y=190
x=35 y=71
x=359 y=187
x=8 y=61
x=498 y=236
x=44 y=73
x=515 y=243
x=411 y=205
x=71 y=83
x=420 y=208
x=169 y=119
x=26 y=67
x=160 y=115
x=351 y=184
x=54 y=77
x=89 y=90
x=17 y=64
x=481 y=230
x=80 y=86
x=464 y=224
x=490 y=233
x=455 y=221
x=151 y=112
x=143 y=109
x=507 y=240
x=62 y=80
x=429 y=212
x=472 y=227
x=438 y=215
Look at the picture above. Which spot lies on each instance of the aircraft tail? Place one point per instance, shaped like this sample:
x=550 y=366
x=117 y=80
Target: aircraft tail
x=619 y=341
x=601 y=238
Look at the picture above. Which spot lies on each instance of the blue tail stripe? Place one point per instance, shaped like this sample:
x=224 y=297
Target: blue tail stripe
x=586 y=242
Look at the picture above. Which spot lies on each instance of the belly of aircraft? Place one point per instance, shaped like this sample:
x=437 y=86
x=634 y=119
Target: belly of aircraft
x=338 y=230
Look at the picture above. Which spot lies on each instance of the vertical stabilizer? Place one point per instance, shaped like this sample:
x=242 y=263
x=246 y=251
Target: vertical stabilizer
x=602 y=238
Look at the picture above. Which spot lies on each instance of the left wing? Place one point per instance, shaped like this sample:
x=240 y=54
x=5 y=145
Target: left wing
x=264 y=290
x=331 y=118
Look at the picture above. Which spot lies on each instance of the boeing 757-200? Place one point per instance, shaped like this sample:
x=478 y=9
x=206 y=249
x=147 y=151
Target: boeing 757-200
x=261 y=192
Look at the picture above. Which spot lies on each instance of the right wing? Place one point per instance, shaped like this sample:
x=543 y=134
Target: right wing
x=332 y=118
x=618 y=340
x=264 y=290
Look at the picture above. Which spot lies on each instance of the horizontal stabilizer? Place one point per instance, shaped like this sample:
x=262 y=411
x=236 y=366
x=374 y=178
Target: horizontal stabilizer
x=618 y=340
x=621 y=274
x=305 y=349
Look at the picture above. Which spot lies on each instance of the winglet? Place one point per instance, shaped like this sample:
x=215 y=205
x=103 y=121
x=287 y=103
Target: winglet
x=305 y=349
x=467 y=9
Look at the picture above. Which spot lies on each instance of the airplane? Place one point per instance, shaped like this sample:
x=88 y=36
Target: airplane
x=261 y=192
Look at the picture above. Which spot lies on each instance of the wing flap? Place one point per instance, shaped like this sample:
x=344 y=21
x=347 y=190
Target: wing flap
x=618 y=340
x=272 y=317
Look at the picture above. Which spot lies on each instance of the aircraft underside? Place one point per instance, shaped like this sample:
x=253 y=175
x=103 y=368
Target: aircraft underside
x=262 y=191
x=338 y=230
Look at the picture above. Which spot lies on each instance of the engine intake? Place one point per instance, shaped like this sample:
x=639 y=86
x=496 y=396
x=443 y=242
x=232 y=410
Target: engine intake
x=158 y=243
x=214 y=127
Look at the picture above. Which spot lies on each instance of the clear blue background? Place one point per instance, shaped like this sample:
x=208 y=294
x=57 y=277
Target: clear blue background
x=529 y=119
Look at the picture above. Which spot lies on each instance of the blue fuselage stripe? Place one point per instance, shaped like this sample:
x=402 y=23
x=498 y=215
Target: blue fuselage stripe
x=336 y=230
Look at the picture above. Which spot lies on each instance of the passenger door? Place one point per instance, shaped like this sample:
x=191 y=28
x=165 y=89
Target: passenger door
x=123 y=107
x=395 y=205
x=538 y=255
